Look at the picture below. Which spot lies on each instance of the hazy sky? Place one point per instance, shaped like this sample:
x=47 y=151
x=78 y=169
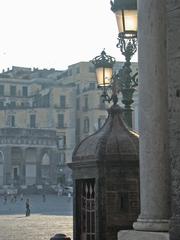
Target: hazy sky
x=55 y=33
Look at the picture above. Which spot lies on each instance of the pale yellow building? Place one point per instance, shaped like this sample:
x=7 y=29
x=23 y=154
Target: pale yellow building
x=37 y=128
x=43 y=115
x=91 y=111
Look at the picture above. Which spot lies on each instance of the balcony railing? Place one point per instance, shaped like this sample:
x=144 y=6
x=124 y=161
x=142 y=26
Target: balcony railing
x=65 y=125
x=61 y=107
x=22 y=136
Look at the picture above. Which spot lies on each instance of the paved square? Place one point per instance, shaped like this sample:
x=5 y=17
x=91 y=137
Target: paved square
x=46 y=219
x=35 y=227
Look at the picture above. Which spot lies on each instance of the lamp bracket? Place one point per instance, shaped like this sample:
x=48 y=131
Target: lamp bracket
x=128 y=46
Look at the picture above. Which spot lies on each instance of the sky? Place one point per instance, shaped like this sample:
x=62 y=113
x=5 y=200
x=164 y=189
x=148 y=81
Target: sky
x=55 y=33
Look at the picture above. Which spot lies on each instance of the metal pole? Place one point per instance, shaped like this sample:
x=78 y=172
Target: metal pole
x=127 y=82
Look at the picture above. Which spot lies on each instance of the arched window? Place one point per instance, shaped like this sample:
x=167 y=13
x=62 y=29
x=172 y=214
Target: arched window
x=45 y=159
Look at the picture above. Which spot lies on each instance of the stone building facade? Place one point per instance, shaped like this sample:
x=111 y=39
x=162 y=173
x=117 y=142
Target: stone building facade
x=28 y=156
x=90 y=108
x=37 y=130
x=34 y=103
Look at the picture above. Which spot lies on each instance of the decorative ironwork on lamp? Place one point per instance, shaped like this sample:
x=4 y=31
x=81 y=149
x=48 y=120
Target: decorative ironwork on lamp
x=126 y=16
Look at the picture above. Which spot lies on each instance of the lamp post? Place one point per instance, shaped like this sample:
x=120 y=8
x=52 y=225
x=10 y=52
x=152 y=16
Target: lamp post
x=126 y=16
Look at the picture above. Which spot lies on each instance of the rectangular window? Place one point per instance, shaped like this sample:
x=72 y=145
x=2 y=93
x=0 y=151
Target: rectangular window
x=78 y=130
x=62 y=142
x=86 y=105
x=15 y=173
x=78 y=70
x=86 y=125
x=32 y=121
x=62 y=101
x=24 y=91
x=12 y=104
x=70 y=72
x=13 y=91
x=78 y=126
x=78 y=89
x=77 y=104
x=60 y=120
x=11 y=121
x=1 y=90
x=92 y=85
x=1 y=104
x=62 y=157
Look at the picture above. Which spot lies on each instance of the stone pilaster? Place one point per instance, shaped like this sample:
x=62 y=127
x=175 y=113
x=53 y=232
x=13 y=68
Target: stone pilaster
x=153 y=117
x=173 y=46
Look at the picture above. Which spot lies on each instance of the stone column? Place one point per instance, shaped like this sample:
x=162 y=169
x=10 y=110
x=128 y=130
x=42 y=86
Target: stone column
x=173 y=45
x=153 y=117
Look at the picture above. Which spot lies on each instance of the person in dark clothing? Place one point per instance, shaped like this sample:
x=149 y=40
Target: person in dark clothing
x=5 y=198
x=27 y=208
x=21 y=197
x=15 y=197
x=44 y=197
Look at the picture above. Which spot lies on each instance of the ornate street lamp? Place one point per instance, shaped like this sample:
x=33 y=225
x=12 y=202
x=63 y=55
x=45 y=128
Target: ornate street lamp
x=126 y=16
x=104 y=76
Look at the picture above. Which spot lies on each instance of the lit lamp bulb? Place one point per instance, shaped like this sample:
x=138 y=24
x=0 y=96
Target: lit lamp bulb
x=104 y=76
x=126 y=17
x=104 y=69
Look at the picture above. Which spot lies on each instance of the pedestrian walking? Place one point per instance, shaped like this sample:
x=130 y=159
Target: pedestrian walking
x=12 y=198
x=27 y=207
x=44 y=197
x=21 y=197
x=69 y=196
x=15 y=197
x=5 y=198
x=60 y=191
